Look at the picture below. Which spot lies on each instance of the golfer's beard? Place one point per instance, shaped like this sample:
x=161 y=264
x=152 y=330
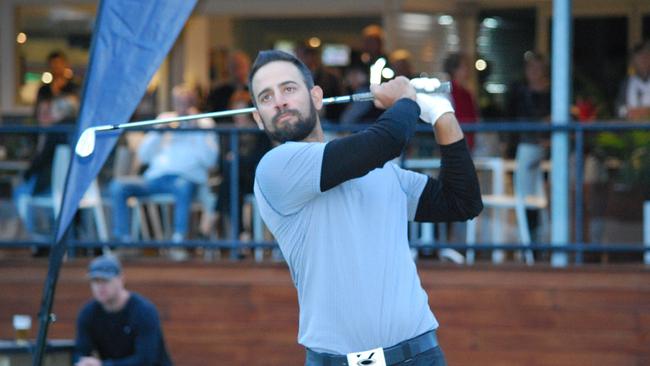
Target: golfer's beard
x=296 y=131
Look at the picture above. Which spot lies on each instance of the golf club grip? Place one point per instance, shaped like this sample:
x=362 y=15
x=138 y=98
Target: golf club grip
x=444 y=88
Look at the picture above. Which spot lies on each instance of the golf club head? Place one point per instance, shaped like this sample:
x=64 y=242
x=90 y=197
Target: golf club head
x=86 y=143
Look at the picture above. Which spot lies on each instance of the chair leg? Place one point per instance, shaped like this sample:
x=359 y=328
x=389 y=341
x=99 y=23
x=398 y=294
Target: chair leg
x=524 y=232
x=166 y=213
x=258 y=229
x=153 y=215
x=414 y=234
x=100 y=222
x=140 y=227
x=427 y=236
x=498 y=221
x=470 y=239
x=543 y=226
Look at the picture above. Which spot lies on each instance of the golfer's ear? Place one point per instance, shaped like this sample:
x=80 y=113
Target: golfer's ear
x=317 y=96
x=258 y=120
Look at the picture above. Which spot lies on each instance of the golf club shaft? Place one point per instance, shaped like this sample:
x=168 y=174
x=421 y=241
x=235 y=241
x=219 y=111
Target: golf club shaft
x=358 y=97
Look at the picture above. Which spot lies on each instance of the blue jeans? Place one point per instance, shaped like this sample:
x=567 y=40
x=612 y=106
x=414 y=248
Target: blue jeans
x=20 y=195
x=181 y=188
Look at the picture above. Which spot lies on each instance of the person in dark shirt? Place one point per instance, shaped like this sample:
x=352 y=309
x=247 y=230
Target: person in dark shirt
x=530 y=101
x=366 y=67
x=117 y=327
x=252 y=146
x=323 y=76
x=53 y=101
x=57 y=104
x=220 y=96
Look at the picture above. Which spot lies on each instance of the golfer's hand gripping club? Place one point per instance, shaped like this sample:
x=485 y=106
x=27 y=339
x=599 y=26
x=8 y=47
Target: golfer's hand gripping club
x=432 y=104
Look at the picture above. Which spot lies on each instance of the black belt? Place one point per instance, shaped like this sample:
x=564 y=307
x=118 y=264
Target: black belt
x=395 y=354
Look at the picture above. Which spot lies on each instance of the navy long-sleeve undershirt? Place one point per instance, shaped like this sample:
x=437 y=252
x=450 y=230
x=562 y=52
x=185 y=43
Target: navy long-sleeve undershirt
x=454 y=196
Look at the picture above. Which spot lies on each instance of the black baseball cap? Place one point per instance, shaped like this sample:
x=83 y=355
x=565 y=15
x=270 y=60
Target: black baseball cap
x=104 y=267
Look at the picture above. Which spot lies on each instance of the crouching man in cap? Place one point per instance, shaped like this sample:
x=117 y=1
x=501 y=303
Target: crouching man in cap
x=117 y=327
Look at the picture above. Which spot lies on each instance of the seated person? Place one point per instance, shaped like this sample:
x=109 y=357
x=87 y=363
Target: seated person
x=177 y=164
x=117 y=327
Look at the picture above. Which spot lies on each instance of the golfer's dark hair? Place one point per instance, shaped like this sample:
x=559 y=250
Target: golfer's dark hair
x=268 y=56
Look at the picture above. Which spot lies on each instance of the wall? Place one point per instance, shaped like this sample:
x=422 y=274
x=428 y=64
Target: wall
x=244 y=314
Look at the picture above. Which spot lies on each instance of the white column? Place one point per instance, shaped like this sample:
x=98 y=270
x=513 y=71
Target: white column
x=390 y=14
x=542 y=32
x=634 y=25
x=8 y=59
x=176 y=62
x=163 y=95
x=221 y=33
x=196 y=53
x=467 y=18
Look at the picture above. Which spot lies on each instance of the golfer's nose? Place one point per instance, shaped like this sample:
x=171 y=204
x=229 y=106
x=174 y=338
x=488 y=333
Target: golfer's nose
x=281 y=102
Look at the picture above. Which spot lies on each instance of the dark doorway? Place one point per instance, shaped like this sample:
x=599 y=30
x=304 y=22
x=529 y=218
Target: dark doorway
x=599 y=60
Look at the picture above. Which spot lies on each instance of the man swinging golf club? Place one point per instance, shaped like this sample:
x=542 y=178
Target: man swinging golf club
x=339 y=211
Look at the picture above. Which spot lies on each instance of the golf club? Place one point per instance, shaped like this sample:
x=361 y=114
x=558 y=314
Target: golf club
x=86 y=143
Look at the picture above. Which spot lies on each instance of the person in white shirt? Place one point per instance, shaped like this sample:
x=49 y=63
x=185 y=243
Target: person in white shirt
x=634 y=95
x=177 y=164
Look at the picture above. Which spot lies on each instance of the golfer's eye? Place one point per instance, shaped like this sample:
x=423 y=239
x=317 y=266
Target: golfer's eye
x=266 y=98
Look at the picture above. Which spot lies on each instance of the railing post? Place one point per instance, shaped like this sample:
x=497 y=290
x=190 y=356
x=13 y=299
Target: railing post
x=234 y=193
x=646 y=232
x=560 y=115
x=579 y=174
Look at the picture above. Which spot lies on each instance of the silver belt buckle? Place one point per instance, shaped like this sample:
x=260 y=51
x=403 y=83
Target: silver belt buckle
x=372 y=357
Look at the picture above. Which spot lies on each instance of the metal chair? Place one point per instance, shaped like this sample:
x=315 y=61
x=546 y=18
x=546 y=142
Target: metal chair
x=528 y=193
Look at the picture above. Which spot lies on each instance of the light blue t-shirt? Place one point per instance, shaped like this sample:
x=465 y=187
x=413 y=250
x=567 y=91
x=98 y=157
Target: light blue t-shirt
x=187 y=154
x=347 y=249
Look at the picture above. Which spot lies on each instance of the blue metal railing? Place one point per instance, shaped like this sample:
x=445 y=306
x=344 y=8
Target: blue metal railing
x=578 y=130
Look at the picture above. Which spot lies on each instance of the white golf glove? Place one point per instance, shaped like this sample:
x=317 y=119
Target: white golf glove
x=432 y=106
x=425 y=85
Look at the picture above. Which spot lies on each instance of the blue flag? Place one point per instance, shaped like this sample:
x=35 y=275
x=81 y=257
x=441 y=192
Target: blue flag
x=130 y=41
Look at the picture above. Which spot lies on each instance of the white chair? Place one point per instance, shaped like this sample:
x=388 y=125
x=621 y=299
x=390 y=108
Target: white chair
x=528 y=193
x=125 y=167
x=256 y=223
x=124 y=163
x=260 y=231
x=152 y=215
x=146 y=212
x=424 y=232
x=90 y=200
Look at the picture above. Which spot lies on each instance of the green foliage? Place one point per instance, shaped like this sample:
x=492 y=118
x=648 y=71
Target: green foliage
x=632 y=150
